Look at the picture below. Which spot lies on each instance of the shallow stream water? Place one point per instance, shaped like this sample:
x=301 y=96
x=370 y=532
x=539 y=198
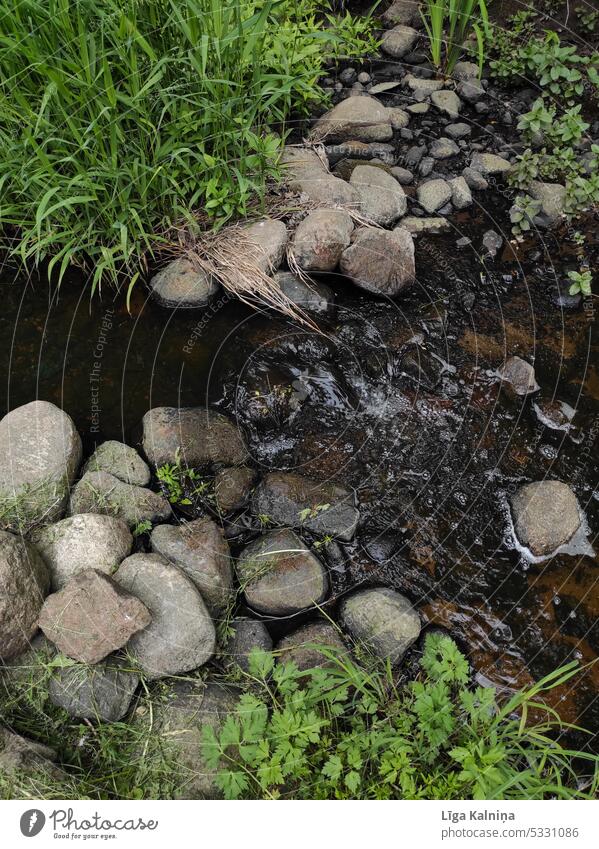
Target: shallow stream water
x=401 y=400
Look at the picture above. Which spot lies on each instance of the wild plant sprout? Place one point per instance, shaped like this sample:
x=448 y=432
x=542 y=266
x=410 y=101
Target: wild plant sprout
x=448 y=24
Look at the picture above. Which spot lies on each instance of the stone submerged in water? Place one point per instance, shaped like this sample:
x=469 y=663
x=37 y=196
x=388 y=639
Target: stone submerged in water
x=182 y=285
x=40 y=452
x=302 y=646
x=321 y=238
x=382 y=199
x=382 y=620
x=119 y=460
x=546 y=516
x=360 y=118
x=102 y=692
x=91 y=617
x=24 y=582
x=247 y=635
x=102 y=493
x=280 y=575
x=200 y=550
x=82 y=542
x=181 y=635
x=300 y=502
x=380 y=261
x=519 y=376
x=196 y=435
x=310 y=296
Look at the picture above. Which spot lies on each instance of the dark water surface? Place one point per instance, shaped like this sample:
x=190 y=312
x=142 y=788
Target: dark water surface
x=399 y=399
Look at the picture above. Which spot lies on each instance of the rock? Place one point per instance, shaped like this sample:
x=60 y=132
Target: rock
x=433 y=195
x=267 y=242
x=426 y=166
x=414 y=155
x=310 y=296
x=357 y=150
x=447 y=102
x=443 y=148
x=520 y=376
x=418 y=84
x=199 y=436
x=383 y=620
x=364 y=78
x=556 y=415
x=22 y=757
x=280 y=575
x=181 y=284
x=359 y=118
x=489 y=164
x=348 y=76
x=397 y=42
x=24 y=582
x=461 y=197
x=471 y=90
x=40 y=452
x=103 y=692
x=465 y=71
x=492 y=243
x=402 y=12
x=475 y=179
x=82 y=542
x=301 y=646
x=403 y=176
x=458 y=131
x=181 y=635
x=382 y=200
x=119 y=460
x=200 y=550
x=298 y=501
x=306 y=173
x=418 y=108
x=399 y=117
x=546 y=515
x=380 y=261
x=177 y=722
x=232 y=488
x=552 y=197
x=248 y=634
x=416 y=226
x=321 y=238
x=91 y=617
x=102 y=493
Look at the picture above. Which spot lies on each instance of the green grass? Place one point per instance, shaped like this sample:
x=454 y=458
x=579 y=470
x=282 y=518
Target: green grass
x=448 y=24
x=120 y=119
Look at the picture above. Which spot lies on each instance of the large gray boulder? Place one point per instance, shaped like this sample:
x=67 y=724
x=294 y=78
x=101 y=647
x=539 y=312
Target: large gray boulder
x=81 y=542
x=119 y=460
x=24 y=582
x=177 y=721
x=382 y=620
x=380 y=261
x=267 y=242
x=102 y=692
x=300 y=502
x=40 y=452
x=307 y=173
x=321 y=238
x=92 y=617
x=199 y=437
x=280 y=575
x=181 y=636
x=302 y=646
x=399 y=41
x=183 y=284
x=102 y=493
x=200 y=550
x=382 y=199
x=360 y=118
x=546 y=515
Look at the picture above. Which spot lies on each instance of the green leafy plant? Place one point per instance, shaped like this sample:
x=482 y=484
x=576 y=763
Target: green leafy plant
x=312 y=512
x=143 y=527
x=588 y=18
x=581 y=281
x=538 y=120
x=120 y=119
x=342 y=731
x=448 y=24
x=522 y=214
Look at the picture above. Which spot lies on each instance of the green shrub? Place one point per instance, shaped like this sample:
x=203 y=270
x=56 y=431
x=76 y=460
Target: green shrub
x=121 y=118
x=448 y=24
x=342 y=732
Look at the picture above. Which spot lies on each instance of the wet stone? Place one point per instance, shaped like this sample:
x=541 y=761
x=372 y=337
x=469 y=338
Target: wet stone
x=520 y=376
x=302 y=646
x=546 y=515
x=383 y=621
x=232 y=488
x=200 y=437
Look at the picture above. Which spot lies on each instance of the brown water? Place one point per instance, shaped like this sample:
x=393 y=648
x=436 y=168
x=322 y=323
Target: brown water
x=399 y=399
